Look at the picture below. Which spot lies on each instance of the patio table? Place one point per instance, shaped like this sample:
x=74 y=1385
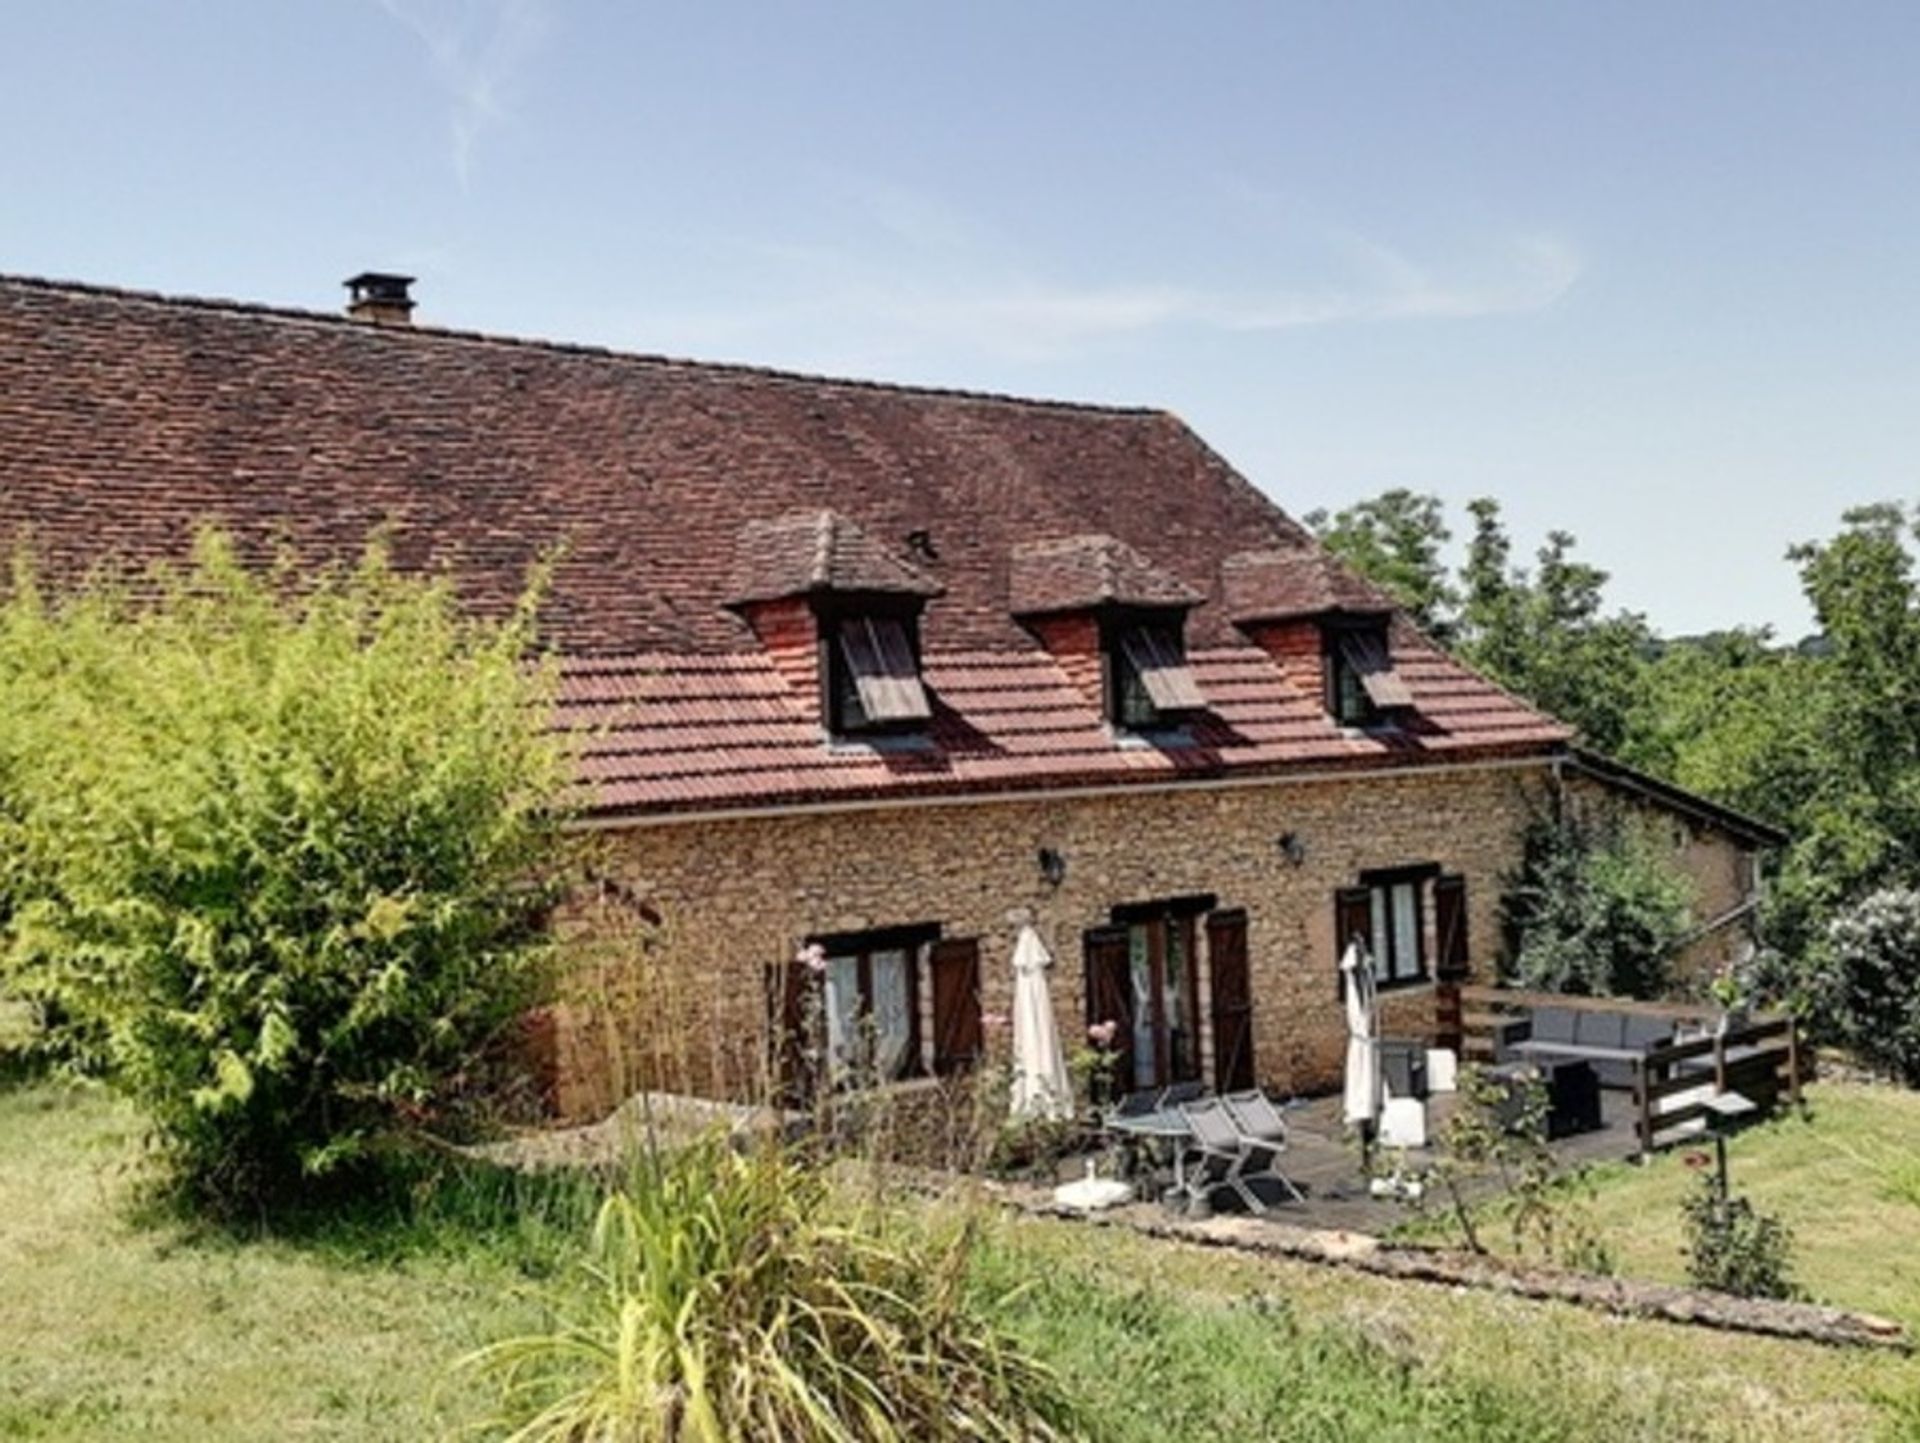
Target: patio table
x=1167 y=1127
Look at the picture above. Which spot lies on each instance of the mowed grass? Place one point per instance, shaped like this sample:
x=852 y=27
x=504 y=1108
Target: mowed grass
x=117 y=1327
x=117 y=1324
x=1164 y=1337
x=1846 y=1179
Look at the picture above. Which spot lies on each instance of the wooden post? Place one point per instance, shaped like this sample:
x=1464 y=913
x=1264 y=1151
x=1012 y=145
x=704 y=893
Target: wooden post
x=1720 y=1056
x=1793 y=1062
x=1643 y=1099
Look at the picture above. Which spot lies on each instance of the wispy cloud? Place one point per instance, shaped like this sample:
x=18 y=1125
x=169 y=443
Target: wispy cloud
x=475 y=48
x=918 y=276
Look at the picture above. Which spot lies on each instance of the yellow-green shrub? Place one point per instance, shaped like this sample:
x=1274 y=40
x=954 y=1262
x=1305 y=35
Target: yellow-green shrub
x=274 y=848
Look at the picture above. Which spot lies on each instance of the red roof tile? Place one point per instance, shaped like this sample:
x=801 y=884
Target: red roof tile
x=1076 y=573
x=1279 y=583
x=126 y=420
x=810 y=552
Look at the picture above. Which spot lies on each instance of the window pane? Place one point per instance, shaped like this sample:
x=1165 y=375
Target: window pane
x=1141 y=973
x=1180 y=1063
x=1382 y=939
x=843 y=1014
x=1406 y=930
x=892 y=1020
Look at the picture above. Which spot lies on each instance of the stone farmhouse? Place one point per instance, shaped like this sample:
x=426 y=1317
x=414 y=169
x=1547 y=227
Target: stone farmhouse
x=886 y=669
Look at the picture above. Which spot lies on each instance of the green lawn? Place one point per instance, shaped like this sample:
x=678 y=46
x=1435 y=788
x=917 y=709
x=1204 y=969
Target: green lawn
x=117 y=1326
x=1846 y=1179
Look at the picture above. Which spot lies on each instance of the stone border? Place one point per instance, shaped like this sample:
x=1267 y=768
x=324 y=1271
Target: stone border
x=1696 y=1307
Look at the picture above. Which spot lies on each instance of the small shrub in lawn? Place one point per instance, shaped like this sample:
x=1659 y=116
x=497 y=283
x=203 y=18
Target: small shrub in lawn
x=274 y=853
x=1732 y=1247
x=725 y=1300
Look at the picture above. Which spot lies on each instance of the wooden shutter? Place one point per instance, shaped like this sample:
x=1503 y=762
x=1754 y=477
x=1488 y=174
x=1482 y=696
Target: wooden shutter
x=790 y=988
x=1232 y=990
x=1110 y=994
x=1450 y=927
x=957 y=1040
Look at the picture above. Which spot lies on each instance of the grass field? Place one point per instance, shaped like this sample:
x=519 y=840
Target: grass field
x=1846 y=1179
x=123 y=1325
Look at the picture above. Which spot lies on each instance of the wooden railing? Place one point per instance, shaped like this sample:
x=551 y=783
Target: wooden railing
x=1760 y=1058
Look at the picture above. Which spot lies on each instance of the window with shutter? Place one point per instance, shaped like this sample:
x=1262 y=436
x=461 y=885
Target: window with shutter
x=874 y=676
x=1150 y=686
x=1387 y=917
x=1361 y=680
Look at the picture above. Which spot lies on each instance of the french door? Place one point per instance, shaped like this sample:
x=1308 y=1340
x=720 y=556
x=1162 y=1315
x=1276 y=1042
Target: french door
x=1140 y=978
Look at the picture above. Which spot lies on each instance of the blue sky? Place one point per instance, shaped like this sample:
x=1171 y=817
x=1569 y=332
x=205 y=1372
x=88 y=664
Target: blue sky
x=1648 y=273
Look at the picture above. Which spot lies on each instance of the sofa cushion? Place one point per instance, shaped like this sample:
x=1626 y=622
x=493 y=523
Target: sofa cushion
x=1648 y=1032
x=1552 y=1024
x=1600 y=1029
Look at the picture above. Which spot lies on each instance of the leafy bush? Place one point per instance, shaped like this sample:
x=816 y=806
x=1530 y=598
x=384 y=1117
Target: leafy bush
x=1733 y=1248
x=1593 y=909
x=1869 y=988
x=724 y=1302
x=274 y=857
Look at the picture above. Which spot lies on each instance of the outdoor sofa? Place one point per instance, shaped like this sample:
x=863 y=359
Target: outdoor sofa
x=1615 y=1043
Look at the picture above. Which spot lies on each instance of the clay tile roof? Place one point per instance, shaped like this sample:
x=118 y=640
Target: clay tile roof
x=1076 y=573
x=1279 y=583
x=807 y=552
x=661 y=489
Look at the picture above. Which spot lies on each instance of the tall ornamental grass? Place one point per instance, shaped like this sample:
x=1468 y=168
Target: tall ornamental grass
x=727 y=1300
x=274 y=850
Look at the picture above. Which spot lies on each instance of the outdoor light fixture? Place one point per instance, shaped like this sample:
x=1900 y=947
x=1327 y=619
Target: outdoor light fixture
x=1293 y=847
x=1053 y=866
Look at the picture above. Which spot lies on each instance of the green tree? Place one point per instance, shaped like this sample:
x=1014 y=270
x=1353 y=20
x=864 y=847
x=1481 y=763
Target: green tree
x=1592 y=908
x=277 y=852
x=1547 y=635
x=1396 y=540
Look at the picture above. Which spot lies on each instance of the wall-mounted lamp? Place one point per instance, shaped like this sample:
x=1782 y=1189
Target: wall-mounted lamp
x=1293 y=847
x=1053 y=866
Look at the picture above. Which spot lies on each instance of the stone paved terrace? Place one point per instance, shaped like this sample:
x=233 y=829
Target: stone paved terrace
x=1325 y=1165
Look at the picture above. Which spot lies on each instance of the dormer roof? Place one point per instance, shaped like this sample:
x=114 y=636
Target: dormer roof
x=818 y=552
x=1090 y=572
x=1289 y=583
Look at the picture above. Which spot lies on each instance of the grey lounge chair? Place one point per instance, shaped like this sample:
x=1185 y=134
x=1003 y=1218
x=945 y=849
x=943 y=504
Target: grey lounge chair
x=1263 y=1136
x=1215 y=1154
x=1181 y=1093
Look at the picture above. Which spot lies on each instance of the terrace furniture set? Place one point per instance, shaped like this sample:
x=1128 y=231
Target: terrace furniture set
x=1229 y=1144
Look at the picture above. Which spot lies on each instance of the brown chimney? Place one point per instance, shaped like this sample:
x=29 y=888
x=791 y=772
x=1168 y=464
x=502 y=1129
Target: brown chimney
x=379 y=298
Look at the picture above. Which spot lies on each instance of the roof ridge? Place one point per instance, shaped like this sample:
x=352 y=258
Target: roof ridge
x=260 y=310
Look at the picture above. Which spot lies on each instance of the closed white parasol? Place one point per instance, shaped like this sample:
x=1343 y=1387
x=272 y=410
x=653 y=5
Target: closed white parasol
x=1363 y=1040
x=1041 y=1087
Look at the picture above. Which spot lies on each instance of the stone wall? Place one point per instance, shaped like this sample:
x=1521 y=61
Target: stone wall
x=683 y=1002
x=737 y=897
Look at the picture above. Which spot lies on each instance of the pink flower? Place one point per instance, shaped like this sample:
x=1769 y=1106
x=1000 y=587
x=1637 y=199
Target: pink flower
x=1696 y=1160
x=813 y=957
x=1101 y=1034
x=994 y=1021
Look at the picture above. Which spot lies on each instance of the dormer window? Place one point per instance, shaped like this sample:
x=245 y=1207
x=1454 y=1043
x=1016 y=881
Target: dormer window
x=1150 y=685
x=1362 y=686
x=873 y=675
